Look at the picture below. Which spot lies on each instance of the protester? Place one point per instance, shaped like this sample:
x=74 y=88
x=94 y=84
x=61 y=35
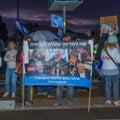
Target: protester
x=19 y=66
x=19 y=61
x=66 y=37
x=46 y=91
x=38 y=62
x=110 y=70
x=11 y=76
x=101 y=42
x=28 y=88
x=60 y=62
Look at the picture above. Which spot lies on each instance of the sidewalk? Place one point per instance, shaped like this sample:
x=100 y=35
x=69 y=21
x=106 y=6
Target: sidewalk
x=81 y=99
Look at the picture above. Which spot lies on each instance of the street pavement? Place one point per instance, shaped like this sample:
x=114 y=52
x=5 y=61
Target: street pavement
x=86 y=106
x=82 y=99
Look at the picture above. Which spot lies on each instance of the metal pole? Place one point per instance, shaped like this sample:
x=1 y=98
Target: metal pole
x=17 y=17
x=17 y=9
x=64 y=19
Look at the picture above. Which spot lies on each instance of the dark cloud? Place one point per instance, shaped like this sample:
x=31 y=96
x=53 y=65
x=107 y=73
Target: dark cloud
x=97 y=8
x=85 y=17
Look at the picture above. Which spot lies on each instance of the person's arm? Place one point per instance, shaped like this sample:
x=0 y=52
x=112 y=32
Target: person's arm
x=6 y=57
x=19 y=51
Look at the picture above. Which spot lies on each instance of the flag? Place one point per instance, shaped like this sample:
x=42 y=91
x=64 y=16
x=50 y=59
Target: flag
x=60 y=32
x=21 y=28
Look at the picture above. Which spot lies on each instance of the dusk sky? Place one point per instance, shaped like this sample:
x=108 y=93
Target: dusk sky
x=82 y=19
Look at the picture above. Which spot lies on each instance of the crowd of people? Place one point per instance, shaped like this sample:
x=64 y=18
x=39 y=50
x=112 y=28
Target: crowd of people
x=107 y=50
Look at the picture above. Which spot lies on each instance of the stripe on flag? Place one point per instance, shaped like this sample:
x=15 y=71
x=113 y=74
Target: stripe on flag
x=21 y=27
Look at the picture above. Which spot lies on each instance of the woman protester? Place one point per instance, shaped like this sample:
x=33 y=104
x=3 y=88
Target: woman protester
x=110 y=70
x=11 y=76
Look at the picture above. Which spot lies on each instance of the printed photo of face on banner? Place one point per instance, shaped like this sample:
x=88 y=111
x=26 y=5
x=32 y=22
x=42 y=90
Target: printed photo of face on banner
x=114 y=28
x=56 y=53
x=105 y=28
x=36 y=65
x=58 y=62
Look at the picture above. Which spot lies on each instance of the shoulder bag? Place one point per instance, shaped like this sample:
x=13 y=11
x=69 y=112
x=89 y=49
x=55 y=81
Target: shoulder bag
x=113 y=61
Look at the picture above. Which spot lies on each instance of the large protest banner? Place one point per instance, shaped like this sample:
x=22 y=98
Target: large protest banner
x=58 y=63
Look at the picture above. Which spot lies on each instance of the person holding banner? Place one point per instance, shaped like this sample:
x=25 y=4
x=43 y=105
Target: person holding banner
x=29 y=88
x=38 y=62
x=110 y=69
x=61 y=69
x=66 y=37
x=10 y=59
x=19 y=66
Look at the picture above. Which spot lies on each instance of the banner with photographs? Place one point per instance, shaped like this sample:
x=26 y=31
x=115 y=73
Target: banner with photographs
x=58 y=63
x=109 y=25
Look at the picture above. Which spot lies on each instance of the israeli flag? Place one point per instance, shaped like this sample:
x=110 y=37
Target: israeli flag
x=21 y=27
x=60 y=32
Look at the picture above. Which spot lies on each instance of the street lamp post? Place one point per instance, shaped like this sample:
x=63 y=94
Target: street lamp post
x=18 y=10
x=64 y=5
x=64 y=19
